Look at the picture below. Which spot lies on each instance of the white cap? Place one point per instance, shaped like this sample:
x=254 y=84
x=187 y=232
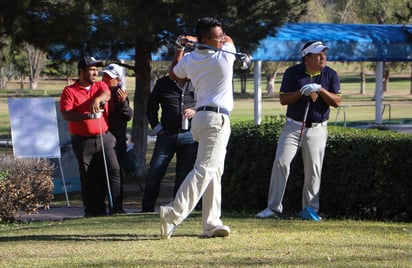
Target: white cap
x=113 y=70
x=314 y=48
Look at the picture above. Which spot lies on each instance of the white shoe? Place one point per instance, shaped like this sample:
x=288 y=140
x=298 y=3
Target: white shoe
x=166 y=228
x=266 y=213
x=218 y=231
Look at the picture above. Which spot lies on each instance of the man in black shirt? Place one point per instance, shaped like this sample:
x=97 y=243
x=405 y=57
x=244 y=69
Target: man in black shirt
x=119 y=114
x=177 y=102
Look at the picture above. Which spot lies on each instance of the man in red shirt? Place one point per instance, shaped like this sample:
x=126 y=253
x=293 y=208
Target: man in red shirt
x=84 y=105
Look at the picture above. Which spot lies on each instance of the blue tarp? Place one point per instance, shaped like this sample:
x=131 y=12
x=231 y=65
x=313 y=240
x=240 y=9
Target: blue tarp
x=347 y=42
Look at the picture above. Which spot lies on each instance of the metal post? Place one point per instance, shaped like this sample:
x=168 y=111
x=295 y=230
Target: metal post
x=379 y=93
x=257 y=93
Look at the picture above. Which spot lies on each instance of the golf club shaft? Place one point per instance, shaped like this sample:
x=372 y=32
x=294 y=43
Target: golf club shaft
x=197 y=44
x=109 y=192
x=303 y=123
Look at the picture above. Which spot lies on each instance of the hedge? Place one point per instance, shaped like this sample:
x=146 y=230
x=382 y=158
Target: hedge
x=366 y=172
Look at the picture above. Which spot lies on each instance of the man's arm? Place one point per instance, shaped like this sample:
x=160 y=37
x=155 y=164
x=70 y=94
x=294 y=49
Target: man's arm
x=229 y=39
x=152 y=110
x=70 y=115
x=74 y=116
x=287 y=98
x=178 y=56
x=103 y=97
x=330 y=98
x=182 y=40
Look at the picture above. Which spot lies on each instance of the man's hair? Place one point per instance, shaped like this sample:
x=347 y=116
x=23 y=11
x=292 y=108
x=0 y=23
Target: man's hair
x=204 y=27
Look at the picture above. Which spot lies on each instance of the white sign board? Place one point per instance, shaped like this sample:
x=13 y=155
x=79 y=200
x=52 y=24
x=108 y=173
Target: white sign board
x=34 y=127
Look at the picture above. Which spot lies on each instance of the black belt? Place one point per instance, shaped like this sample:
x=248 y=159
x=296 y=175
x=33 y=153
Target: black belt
x=89 y=136
x=213 y=109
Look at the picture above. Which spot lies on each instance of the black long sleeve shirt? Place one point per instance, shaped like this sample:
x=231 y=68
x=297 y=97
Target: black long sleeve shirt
x=119 y=114
x=167 y=96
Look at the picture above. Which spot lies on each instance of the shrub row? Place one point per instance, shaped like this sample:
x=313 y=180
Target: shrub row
x=366 y=172
x=25 y=185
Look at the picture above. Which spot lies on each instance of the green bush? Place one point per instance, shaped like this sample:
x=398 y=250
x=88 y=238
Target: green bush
x=365 y=174
x=25 y=185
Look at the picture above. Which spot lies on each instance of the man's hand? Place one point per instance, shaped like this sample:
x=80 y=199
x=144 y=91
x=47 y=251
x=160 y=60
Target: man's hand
x=189 y=113
x=306 y=90
x=181 y=41
x=121 y=95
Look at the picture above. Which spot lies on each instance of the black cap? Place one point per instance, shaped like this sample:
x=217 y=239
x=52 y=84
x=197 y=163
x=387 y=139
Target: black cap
x=89 y=61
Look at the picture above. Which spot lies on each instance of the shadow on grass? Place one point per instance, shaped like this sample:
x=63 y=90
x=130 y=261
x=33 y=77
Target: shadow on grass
x=79 y=237
x=95 y=238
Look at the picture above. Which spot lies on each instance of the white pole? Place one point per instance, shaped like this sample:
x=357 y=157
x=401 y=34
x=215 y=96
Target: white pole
x=257 y=92
x=379 y=93
x=64 y=182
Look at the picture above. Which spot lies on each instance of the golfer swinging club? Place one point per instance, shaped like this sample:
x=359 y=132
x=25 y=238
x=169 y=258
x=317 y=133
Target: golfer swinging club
x=211 y=74
x=317 y=85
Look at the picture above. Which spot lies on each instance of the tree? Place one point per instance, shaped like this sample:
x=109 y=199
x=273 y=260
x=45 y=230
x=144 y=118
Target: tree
x=36 y=59
x=106 y=28
x=5 y=66
x=372 y=11
x=20 y=66
x=271 y=70
x=10 y=12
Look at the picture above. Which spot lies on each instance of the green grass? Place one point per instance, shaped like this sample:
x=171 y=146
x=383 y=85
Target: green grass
x=133 y=241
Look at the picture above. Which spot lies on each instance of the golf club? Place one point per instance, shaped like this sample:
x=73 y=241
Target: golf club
x=293 y=162
x=303 y=123
x=109 y=192
x=244 y=59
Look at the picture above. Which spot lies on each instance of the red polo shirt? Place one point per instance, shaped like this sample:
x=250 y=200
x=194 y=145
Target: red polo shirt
x=79 y=99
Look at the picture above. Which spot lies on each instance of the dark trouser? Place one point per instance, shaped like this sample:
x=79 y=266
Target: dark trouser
x=89 y=154
x=167 y=144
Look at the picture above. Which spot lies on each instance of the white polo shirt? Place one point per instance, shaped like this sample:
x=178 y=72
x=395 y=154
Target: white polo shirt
x=211 y=74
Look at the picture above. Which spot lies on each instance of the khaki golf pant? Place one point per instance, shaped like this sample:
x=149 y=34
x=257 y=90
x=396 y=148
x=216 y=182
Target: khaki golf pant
x=211 y=130
x=313 y=143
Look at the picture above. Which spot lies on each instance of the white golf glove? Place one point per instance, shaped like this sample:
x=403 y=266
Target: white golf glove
x=179 y=41
x=96 y=115
x=309 y=88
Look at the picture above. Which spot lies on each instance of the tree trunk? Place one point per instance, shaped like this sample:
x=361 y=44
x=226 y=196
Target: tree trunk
x=36 y=59
x=243 y=78
x=270 y=83
x=142 y=92
x=22 y=81
x=3 y=78
x=69 y=79
x=363 y=78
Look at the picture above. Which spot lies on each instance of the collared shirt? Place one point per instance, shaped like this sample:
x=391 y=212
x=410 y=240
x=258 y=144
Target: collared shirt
x=167 y=95
x=295 y=77
x=79 y=99
x=211 y=73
